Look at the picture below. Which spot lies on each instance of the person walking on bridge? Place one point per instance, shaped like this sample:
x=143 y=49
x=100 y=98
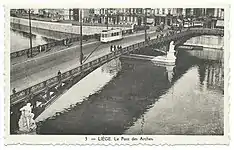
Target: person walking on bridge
x=13 y=91
x=111 y=47
x=148 y=38
x=59 y=75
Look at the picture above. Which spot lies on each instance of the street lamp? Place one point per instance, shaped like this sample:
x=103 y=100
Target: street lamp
x=107 y=19
x=145 y=26
x=30 y=33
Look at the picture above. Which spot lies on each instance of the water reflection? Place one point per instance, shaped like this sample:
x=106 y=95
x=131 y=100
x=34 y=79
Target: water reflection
x=91 y=84
x=170 y=72
x=112 y=67
x=135 y=97
x=21 y=40
x=184 y=109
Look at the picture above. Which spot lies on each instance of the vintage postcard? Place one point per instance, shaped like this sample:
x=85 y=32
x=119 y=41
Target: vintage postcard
x=117 y=75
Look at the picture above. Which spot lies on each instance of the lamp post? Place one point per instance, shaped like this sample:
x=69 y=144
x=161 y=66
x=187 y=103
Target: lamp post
x=30 y=33
x=145 y=25
x=107 y=19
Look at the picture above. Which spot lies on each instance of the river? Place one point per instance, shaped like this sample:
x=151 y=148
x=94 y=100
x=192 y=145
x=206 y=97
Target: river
x=20 y=40
x=137 y=97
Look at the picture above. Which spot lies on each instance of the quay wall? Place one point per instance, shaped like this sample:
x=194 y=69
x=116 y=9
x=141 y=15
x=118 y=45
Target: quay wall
x=60 y=27
x=57 y=35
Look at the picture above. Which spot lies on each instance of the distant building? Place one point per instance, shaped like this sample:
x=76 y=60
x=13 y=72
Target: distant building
x=128 y=16
x=86 y=14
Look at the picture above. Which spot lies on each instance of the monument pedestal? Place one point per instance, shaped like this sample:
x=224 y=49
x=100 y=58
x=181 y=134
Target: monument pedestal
x=168 y=59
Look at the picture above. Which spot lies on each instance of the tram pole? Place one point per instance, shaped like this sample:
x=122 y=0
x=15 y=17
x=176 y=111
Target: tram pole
x=145 y=26
x=30 y=33
x=107 y=19
x=81 y=38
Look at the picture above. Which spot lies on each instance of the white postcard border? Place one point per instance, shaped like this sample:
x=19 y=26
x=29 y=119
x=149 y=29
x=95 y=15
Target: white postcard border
x=81 y=140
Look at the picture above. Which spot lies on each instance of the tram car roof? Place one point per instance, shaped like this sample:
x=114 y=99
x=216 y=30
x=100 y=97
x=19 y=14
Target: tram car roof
x=112 y=30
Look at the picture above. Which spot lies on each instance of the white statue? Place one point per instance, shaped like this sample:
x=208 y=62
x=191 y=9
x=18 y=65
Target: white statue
x=170 y=72
x=170 y=53
x=26 y=122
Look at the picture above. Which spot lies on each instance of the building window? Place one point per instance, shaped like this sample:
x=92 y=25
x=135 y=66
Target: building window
x=163 y=11
x=158 y=10
x=169 y=11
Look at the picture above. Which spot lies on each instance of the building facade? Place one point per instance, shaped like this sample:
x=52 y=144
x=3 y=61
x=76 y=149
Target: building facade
x=129 y=16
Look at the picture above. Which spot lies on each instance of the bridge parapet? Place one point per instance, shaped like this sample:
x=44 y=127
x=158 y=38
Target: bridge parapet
x=197 y=32
x=26 y=94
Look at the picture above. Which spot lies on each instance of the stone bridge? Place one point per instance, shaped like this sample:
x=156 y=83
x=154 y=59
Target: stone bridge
x=47 y=91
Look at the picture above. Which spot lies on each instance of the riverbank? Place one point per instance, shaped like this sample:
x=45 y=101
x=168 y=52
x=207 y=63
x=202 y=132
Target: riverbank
x=61 y=27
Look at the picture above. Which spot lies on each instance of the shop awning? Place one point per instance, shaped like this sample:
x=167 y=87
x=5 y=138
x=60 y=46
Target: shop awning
x=220 y=23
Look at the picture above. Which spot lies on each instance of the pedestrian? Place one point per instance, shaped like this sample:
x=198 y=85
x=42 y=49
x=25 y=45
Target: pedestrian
x=39 y=48
x=13 y=91
x=59 y=75
x=118 y=47
x=65 y=42
x=68 y=41
x=111 y=47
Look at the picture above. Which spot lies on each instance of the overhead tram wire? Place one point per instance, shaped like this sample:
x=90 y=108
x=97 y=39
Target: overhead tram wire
x=91 y=53
x=107 y=17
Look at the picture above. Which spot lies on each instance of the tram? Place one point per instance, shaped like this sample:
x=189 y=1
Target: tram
x=111 y=35
x=197 y=24
x=187 y=24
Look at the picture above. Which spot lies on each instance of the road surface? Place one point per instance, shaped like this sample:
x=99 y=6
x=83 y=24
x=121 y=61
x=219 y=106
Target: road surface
x=31 y=72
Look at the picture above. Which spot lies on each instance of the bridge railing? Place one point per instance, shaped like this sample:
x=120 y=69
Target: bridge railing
x=40 y=87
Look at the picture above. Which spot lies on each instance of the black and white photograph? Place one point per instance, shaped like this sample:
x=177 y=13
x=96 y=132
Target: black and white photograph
x=117 y=71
